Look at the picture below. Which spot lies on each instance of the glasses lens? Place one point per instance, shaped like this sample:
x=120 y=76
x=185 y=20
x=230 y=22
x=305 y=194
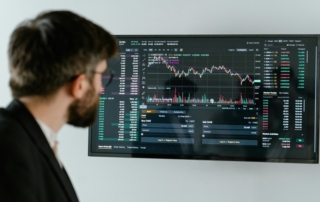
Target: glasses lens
x=109 y=76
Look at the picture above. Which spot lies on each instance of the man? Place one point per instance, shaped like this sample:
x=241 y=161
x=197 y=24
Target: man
x=56 y=61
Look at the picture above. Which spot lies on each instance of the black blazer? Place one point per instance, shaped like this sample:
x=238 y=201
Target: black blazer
x=29 y=170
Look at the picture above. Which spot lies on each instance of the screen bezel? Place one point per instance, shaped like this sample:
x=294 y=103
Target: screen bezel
x=224 y=158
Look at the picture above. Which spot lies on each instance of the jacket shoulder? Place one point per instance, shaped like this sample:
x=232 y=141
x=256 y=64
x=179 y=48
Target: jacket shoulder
x=11 y=131
x=7 y=122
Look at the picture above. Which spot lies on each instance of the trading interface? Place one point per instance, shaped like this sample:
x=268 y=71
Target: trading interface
x=210 y=97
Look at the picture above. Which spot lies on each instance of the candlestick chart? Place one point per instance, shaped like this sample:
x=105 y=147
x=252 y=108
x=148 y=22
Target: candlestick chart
x=208 y=79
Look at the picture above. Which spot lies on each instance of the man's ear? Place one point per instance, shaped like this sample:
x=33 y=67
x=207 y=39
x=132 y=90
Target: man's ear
x=79 y=86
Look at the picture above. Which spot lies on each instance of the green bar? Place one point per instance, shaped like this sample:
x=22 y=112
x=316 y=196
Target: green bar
x=299 y=140
x=257 y=81
x=181 y=97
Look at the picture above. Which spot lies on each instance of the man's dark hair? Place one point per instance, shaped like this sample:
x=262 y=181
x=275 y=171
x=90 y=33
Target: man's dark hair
x=47 y=52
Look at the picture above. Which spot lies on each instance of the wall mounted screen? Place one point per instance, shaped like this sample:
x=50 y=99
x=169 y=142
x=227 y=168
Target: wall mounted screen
x=234 y=97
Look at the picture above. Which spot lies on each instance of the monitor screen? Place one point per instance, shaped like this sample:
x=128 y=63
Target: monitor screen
x=231 y=97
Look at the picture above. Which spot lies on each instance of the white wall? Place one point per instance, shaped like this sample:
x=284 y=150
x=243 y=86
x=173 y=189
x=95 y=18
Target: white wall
x=145 y=180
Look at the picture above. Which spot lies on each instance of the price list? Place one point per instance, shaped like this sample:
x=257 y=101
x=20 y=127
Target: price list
x=270 y=67
x=124 y=121
x=285 y=64
x=298 y=115
x=285 y=114
x=101 y=118
x=265 y=114
x=118 y=111
x=128 y=120
x=301 y=67
x=129 y=74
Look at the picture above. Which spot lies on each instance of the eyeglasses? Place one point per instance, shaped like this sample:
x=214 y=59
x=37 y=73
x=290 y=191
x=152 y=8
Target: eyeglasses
x=106 y=76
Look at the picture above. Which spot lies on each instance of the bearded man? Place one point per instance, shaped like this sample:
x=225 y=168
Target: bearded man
x=56 y=64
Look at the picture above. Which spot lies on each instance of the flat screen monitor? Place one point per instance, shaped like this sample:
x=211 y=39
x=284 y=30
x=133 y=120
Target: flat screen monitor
x=215 y=97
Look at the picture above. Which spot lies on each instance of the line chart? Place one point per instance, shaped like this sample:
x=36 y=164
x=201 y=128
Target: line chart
x=191 y=70
x=191 y=78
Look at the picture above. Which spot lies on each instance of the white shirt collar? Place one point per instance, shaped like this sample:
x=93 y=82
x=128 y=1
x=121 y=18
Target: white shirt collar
x=48 y=133
x=50 y=136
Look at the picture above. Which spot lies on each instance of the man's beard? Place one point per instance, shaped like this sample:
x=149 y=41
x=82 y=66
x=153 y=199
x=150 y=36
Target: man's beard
x=83 y=112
